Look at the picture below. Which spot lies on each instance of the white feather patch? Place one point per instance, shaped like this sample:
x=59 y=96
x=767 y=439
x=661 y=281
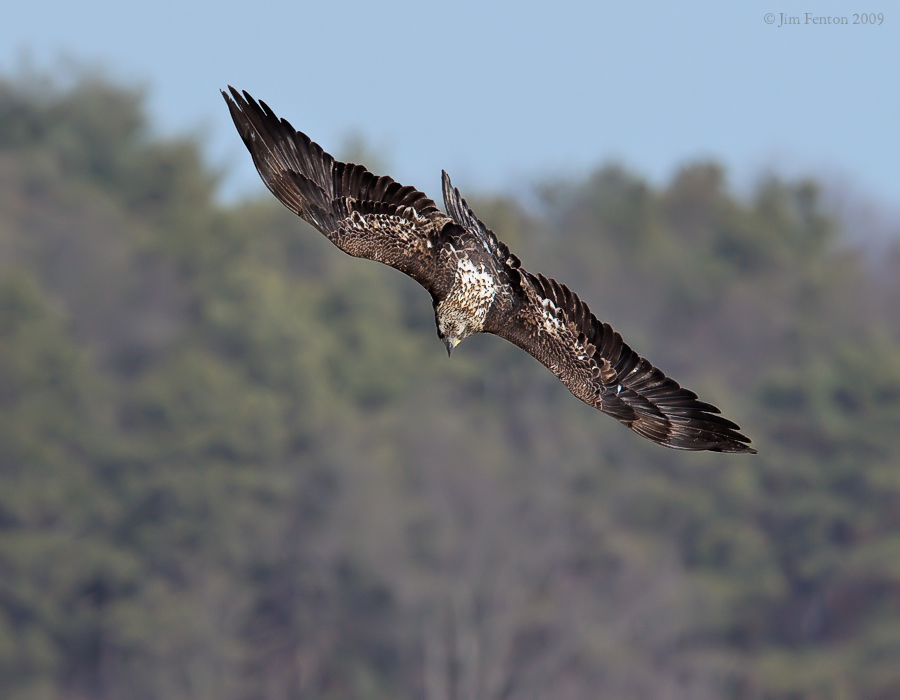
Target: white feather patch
x=551 y=324
x=472 y=294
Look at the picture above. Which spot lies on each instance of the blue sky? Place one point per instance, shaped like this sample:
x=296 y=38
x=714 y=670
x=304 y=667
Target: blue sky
x=502 y=94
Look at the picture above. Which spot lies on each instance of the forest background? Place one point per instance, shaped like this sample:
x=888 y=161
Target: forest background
x=235 y=463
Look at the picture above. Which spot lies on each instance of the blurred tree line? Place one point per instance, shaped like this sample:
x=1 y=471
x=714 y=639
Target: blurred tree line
x=235 y=463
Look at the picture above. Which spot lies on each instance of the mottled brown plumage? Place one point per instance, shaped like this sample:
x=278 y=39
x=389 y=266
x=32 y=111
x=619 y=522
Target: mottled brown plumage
x=476 y=284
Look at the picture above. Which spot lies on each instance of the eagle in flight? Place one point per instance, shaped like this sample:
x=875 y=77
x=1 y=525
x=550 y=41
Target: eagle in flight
x=476 y=284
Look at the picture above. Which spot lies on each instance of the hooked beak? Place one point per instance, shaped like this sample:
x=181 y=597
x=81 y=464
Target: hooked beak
x=450 y=343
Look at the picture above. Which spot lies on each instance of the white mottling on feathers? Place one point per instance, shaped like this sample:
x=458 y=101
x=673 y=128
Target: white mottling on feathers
x=478 y=285
x=554 y=323
x=413 y=214
x=551 y=324
x=469 y=275
x=401 y=227
x=472 y=294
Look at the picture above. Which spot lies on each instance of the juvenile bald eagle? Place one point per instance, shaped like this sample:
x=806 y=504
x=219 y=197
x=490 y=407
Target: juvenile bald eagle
x=476 y=284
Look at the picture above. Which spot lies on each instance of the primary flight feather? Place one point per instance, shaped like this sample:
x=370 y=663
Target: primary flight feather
x=476 y=284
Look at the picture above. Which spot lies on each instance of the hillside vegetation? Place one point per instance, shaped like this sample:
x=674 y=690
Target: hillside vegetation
x=237 y=464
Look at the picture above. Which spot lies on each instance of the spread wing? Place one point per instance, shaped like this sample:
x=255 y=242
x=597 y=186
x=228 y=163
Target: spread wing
x=363 y=214
x=551 y=323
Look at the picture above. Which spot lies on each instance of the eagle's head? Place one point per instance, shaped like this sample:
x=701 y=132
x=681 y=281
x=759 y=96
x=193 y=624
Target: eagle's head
x=463 y=311
x=454 y=325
